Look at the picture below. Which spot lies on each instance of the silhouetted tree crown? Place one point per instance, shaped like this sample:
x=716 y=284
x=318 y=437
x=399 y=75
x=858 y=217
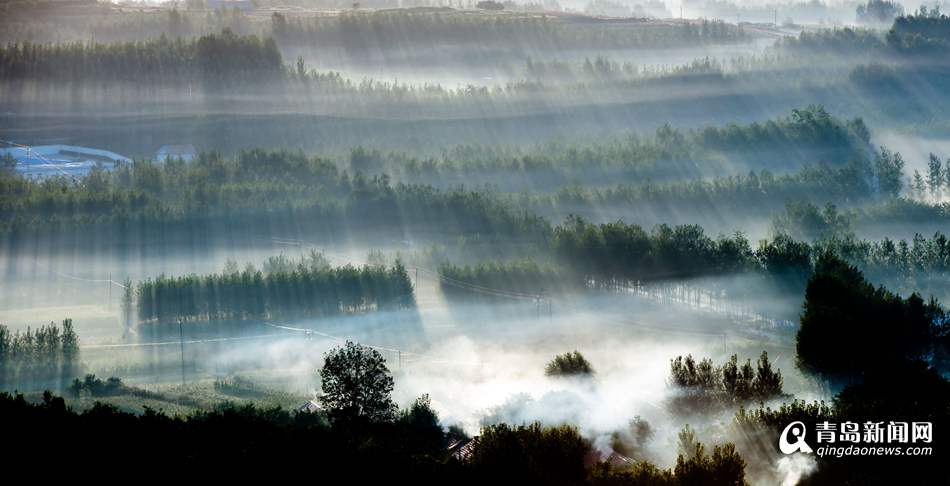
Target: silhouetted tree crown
x=849 y=327
x=357 y=385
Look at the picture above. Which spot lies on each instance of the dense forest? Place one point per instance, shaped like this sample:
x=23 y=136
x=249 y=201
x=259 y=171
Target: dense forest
x=921 y=33
x=218 y=60
x=256 y=182
x=838 y=289
x=308 y=289
x=669 y=152
x=253 y=188
x=890 y=367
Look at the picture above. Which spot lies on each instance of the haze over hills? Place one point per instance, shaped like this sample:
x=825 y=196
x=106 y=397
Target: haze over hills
x=566 y=242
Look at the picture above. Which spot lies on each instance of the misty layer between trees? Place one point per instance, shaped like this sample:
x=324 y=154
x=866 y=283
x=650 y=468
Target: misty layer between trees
x=558 y=243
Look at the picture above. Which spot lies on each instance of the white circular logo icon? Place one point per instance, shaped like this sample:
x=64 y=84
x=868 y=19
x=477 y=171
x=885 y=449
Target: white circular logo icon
x=797 y=431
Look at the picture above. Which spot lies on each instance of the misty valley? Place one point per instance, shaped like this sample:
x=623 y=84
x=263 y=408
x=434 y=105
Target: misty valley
x=568 y=242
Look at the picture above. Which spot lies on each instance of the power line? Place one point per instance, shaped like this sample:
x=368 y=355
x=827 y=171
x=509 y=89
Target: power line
x=31 y=153
x=175 y=343
x=78 y=278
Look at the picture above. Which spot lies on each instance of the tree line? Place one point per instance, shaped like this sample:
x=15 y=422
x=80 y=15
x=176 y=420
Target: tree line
x=406 y=29
x=582 y=254
x=667 y=153
x=304 y=290
x=40 y=20
x=519 y=276
x=222 y=59
x=81 y=20
x=358 y=424
x=45 y=357
x=756 y=193
x=936 y=180
x=923 y=33
x=254 y=188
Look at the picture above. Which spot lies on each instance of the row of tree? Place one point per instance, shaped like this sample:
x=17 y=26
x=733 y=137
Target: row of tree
x=668 y=152
x=221 y=59
x=936 y=181
x=254 y=186
x=757 y=193
x=604 y=253
x=413 y=29
x=610 y=254
x=46 y=357
x=925 y=32
x=304 y=291
x=212 y=179
x=916 y=265
x=519 y=276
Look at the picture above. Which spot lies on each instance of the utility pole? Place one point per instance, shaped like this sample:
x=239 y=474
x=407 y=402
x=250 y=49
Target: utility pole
x=109 y=283
x=181 y=341
x=539 y=299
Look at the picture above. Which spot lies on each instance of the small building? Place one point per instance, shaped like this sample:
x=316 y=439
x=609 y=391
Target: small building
x=310 y=407
x=184 y=152
x=242 y=5
x=461 y=449
x=617 y=460
x=60 y=160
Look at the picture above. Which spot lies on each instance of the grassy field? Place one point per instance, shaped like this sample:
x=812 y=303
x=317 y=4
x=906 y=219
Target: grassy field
x=184 y=399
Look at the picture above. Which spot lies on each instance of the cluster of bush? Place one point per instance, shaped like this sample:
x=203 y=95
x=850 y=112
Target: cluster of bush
x=702 y=387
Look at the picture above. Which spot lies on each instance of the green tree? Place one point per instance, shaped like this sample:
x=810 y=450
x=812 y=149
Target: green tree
x=850 y=328
x=724 y=467
x=934 y=174
x=357 y=385
x=531 y=454
x=918 y=185
x=126 y=305
x=569 y=364
x=889 y=169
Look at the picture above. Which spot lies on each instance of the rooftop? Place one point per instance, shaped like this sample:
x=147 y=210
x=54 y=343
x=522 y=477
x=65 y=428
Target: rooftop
x=61 y=160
